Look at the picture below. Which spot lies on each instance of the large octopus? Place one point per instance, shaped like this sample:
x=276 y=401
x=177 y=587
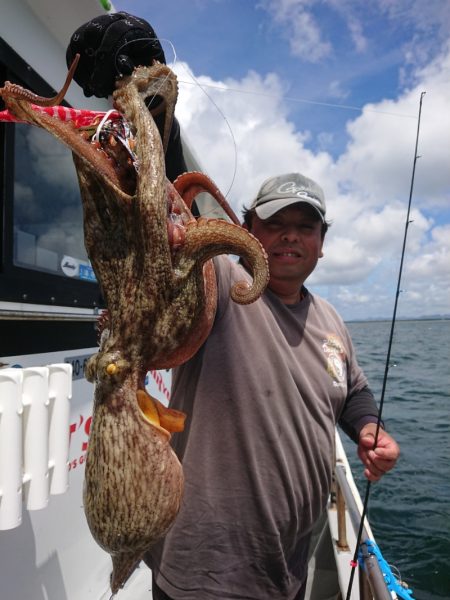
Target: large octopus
x=152 y=260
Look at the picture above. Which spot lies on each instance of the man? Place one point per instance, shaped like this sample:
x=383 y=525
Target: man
x=262 y=395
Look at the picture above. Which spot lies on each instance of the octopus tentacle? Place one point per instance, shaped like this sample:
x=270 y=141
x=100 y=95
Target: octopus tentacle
x=189 y=185
x=13 y=90
x=161 y=82
x=209 y=237
x=65 y=132
x=149 y=220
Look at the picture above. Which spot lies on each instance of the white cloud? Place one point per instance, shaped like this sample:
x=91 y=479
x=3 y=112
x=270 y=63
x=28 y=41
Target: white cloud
x=429 y=26
x=266 y=140
x=45 y=153
x=346 y=261
x=25 y=206
x=335 y=90
x=356 y=31
x=382 y=161
x=367 y=186
x=300 y=21
x=47 y=203
x=299 y=27
x=433 y=262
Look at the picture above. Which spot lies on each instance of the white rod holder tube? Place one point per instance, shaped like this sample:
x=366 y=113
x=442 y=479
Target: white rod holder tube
x=60 y=391
x=36 y=402
x=10 y=448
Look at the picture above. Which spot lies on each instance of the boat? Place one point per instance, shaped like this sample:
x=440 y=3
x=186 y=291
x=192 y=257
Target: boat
x=49 y=305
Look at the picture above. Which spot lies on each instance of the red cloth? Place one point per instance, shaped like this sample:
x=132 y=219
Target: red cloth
x=80 y=118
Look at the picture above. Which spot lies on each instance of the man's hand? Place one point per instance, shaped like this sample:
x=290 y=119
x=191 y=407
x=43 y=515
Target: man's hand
x=379 y=460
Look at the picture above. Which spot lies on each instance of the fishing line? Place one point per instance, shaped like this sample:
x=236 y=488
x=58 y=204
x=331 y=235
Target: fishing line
x=203 y=87
x=224 y=88
x=354 y=562
x=195 y=82
x=175 y=61
x=233 y=139
x=149 y=41
x=304 y=100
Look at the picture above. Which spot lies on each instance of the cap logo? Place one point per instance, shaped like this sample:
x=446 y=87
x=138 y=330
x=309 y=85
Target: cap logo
x=290 y=187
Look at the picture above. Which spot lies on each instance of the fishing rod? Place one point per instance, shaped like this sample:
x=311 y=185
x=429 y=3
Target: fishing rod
x=408 y=221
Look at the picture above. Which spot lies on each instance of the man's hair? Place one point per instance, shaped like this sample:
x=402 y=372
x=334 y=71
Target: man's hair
x=249 y=213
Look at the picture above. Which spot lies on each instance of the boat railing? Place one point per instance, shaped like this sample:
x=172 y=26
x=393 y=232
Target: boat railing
x=372 y=584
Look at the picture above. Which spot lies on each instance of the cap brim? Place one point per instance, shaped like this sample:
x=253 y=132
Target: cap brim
x=268 y=209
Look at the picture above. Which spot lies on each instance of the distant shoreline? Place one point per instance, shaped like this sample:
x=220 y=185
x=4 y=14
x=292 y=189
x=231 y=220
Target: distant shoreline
x=388 y=320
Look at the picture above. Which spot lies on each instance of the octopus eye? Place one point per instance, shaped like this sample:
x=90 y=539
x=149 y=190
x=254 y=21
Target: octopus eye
x=111 y=366
x=111 y=369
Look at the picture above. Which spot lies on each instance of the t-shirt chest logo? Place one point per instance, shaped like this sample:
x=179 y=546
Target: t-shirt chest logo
x=334 y=351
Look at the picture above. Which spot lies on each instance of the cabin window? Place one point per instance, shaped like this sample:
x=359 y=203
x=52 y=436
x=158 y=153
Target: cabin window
x=43 y=260
x=48 y=226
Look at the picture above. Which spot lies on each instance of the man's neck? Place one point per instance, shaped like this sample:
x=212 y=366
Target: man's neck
x=286 y=293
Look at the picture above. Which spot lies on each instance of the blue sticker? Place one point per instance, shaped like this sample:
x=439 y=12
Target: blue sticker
x=87 y=272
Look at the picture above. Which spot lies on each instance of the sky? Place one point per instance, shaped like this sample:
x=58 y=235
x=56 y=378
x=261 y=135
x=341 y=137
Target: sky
x=331 y=89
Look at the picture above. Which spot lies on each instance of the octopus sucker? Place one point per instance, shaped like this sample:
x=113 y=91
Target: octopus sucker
x=152 y=259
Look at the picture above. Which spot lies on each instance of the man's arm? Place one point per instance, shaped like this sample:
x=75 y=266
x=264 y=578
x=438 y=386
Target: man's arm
x=175 y=163
x=359 y=421
x=360 y=408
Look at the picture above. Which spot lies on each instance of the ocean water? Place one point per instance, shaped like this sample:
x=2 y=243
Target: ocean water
x=409 y=508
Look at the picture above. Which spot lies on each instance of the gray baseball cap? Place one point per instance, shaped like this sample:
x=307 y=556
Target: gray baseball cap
x=283 y=190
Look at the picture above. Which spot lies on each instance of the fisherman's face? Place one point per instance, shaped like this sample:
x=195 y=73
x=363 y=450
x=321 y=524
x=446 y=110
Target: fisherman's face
x=292 y=238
